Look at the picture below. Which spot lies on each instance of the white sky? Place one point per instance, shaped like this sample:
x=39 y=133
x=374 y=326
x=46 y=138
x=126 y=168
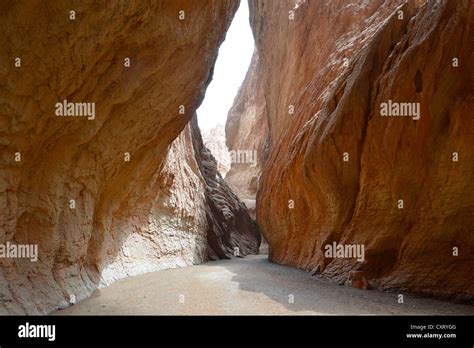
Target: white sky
x=231 y=66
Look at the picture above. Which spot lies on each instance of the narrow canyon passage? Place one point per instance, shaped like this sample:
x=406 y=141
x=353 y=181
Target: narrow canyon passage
x=345 y=152
x=247 y=286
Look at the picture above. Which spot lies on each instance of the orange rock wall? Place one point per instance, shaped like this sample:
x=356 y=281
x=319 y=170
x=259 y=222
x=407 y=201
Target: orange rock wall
x=334 y=63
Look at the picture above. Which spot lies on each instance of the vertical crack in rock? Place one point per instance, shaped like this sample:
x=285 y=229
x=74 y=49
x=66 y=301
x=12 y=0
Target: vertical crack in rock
x=246 y=137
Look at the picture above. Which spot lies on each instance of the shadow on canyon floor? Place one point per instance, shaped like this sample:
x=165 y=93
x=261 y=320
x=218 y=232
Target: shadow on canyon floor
x=300 y=293
x=248 y=286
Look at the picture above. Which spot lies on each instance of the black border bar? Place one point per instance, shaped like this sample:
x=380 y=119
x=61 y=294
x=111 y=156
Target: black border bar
x=241 y=330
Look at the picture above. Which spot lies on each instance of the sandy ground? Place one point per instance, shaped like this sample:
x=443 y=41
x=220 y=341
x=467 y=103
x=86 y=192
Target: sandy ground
x=251 y=285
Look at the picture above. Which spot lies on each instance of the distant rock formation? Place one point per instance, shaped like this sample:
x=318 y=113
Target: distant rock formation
x=214 y=140
x=245 y=129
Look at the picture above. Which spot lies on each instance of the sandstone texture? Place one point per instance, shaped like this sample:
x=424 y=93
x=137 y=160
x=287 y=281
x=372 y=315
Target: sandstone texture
x=116 y=195
x=337 y=170
x=214 y=139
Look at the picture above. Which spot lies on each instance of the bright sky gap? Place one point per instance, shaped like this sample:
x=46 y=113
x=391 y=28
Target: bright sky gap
x=231 y=66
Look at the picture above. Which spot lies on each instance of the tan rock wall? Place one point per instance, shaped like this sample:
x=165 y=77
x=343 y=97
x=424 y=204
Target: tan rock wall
x=129 y=217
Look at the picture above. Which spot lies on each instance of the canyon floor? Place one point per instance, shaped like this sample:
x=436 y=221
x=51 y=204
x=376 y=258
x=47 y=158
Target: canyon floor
x=247 y=286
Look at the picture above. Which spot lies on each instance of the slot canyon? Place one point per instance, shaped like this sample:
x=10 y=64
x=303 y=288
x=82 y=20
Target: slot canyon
x=137 y=192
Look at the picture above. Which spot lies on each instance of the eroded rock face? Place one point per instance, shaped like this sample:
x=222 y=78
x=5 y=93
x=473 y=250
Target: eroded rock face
x=231 y=231
x=246 y=129
x=338 y=171
x=107 y=197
